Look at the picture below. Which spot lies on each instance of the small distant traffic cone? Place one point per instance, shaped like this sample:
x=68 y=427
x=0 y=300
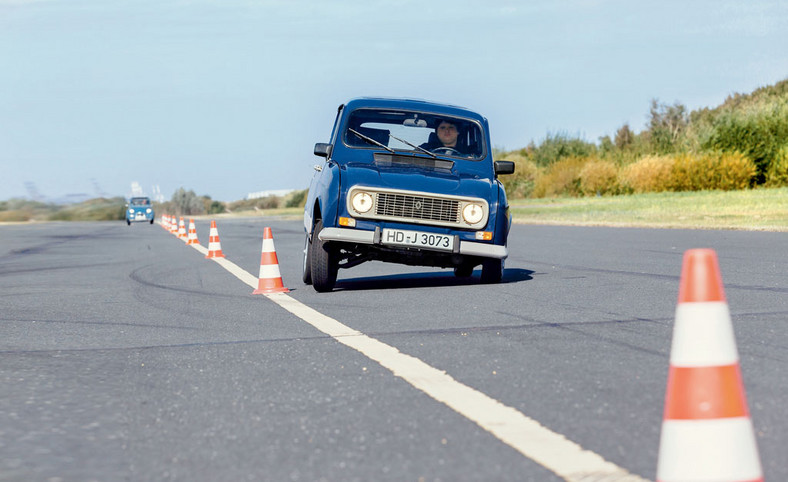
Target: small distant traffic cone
x=192 y=239
x=214 y=246
x=182 y=230
x=707 y=433
x=174 y=225
x=270 y=280
x=163 y=221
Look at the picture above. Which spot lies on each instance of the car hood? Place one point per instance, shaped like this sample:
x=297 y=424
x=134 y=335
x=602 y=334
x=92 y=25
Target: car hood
x=416 y=178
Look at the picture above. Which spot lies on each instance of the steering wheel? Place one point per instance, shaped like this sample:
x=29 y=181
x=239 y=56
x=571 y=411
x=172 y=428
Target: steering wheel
x=447 y=151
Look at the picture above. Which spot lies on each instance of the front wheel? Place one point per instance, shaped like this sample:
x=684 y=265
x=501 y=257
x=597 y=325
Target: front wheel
x=463 y=271
x=306 y=267
x=492 y=271
x=324 y=264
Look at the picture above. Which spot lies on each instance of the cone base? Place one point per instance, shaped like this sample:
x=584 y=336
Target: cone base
x=215 y=255
x=262 y=291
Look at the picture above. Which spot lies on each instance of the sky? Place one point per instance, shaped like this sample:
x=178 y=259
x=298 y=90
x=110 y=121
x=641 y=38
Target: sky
x=228 y=97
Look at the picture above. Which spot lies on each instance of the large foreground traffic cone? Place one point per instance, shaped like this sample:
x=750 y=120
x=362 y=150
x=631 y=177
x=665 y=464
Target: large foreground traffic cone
x=182 y=230
x=270 y=280
x=192 y=239
x=214 y=246
x=707 y=433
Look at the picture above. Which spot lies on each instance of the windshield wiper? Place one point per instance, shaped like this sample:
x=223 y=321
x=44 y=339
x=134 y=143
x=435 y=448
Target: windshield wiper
x=371 y=140
x=414 y=146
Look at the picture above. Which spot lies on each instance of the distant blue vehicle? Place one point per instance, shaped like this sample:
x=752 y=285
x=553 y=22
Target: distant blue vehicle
x=139 y=209
x=410 y=182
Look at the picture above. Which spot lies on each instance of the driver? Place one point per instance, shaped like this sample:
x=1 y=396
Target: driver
x=447 y=133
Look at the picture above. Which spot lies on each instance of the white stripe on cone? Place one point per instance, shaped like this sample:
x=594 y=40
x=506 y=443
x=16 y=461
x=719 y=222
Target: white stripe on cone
x=703 y=336
x=268 y=271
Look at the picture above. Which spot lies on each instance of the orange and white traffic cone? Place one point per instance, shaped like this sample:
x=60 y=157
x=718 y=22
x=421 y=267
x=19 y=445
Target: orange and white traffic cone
x=174 y=225
x=270 y=280
x=707 y=432
x=182 y=230
x=163 y=221
x=192 y=239
x=214 y=246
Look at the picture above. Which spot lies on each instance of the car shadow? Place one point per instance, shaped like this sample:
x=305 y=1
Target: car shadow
x=426 y=280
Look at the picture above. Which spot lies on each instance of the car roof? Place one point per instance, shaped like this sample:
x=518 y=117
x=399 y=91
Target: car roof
x=412 y=104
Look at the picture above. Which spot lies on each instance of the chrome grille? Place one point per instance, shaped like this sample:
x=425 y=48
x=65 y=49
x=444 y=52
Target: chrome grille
x=417 y=207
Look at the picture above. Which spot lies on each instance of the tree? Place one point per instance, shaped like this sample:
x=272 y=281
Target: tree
x=666 y=124
x=624 y=137
x=187 y=203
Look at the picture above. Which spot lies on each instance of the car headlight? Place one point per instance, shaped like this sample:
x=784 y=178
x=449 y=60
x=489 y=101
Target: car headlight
x=361 y=202
x=472 y=213
x=147 y=210
x=131 y=211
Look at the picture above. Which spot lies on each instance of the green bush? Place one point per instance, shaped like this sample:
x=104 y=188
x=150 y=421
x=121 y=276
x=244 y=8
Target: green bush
x=555 y=147
x=598 y=177
x=777 y=175
x=562 y=178
x=215 y=207
x=296 y=199
x=758 y=130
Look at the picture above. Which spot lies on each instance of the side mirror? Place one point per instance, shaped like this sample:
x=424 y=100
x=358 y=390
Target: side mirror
x=323 y=150
x=504 y=167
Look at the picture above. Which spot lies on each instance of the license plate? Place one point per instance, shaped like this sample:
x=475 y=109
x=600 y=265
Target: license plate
x=417 y=239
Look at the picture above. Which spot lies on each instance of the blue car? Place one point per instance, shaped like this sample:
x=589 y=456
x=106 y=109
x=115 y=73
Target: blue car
x=139 y=209
x=406 y=181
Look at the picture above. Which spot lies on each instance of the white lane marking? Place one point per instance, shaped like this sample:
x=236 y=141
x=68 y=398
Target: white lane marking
x=540 y=444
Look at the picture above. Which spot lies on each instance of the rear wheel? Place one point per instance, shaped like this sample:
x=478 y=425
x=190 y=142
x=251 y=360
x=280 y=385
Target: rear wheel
x=306 y=267
x=324 y=264
x=128 y=222
x=492 y=271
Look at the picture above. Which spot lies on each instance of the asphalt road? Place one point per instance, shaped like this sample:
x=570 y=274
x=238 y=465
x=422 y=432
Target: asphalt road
x=126 y=355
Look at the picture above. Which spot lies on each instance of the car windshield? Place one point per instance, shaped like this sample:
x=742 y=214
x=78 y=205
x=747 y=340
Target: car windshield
x=140 y=201
x=415 y=132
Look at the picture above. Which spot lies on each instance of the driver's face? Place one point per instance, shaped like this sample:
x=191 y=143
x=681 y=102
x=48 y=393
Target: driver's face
x=447 y=133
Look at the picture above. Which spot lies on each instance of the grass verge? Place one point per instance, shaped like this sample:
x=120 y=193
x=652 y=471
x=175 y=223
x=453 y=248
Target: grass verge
x=756 y=209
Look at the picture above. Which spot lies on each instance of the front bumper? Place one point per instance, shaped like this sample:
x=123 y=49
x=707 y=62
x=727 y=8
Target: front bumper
x=139 y=217
x=468 y=248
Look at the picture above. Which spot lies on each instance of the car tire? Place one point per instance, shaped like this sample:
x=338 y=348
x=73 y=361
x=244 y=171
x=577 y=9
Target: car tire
x=306 y=267
x=463 y=270
x=324 y=265
x=151 y=220
x=492 y=271
x=128 y=222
